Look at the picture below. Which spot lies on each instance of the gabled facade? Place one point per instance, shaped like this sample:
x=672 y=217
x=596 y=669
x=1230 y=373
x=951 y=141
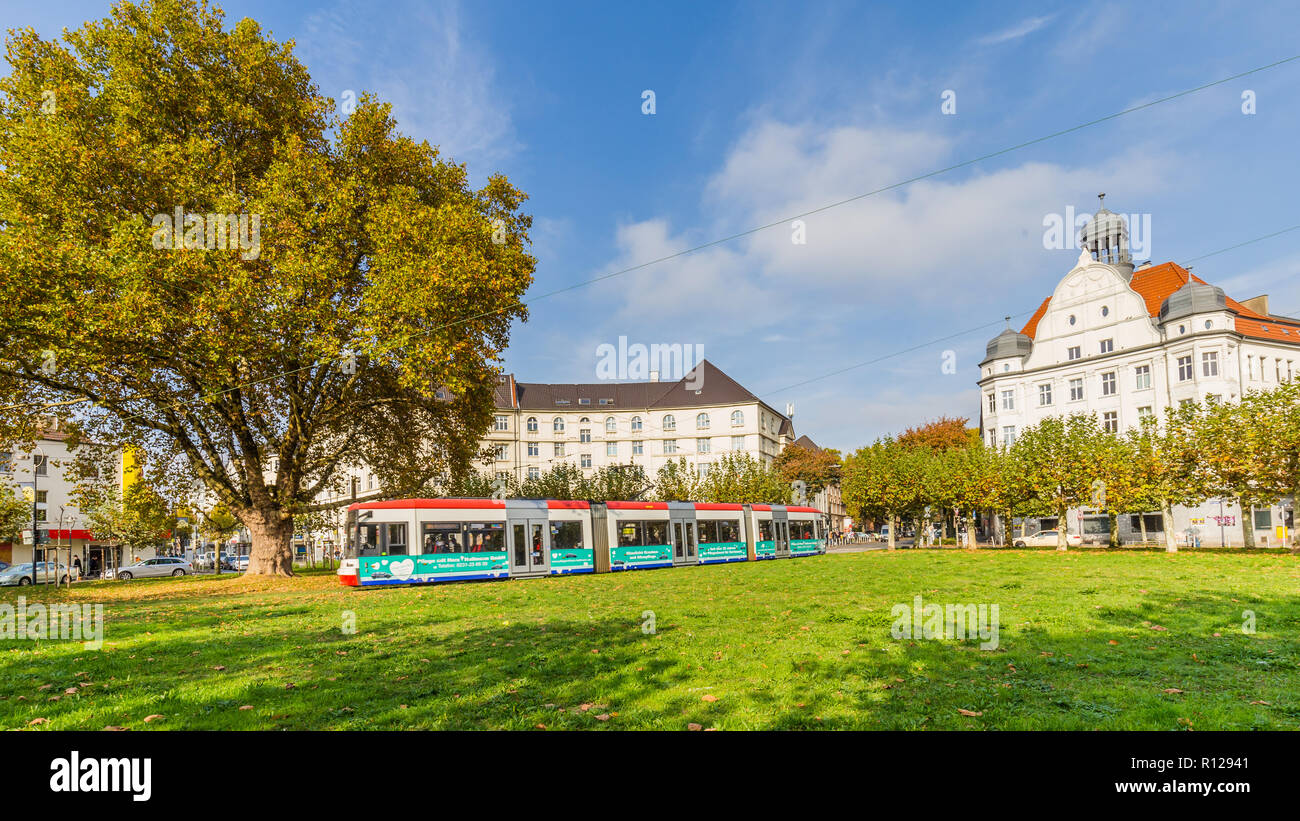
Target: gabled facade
x=1125 y=343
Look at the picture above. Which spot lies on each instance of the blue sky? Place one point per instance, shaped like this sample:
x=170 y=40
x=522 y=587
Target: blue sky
x=766 y=110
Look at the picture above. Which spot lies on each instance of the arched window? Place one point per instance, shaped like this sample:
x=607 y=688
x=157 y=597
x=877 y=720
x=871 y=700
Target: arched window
x=737 y=418
x=636 y=423
x=532 y=424
x=702 y=421
x=557 y=424
x=584 y=420
x=610 y=425
x=670 y=423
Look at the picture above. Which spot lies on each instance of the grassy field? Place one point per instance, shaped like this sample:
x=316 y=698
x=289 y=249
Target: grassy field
x=1088 y=640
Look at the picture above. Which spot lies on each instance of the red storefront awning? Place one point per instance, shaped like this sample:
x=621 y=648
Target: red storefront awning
x=69 y=535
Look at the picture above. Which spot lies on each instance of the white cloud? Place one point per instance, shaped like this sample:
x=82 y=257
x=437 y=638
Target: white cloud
x=1021 y=29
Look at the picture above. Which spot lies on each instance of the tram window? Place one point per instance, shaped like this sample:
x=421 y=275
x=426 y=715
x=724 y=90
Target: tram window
x=629 y=534
x=521 y=546
x=656 y=532
x=566 y=535
x=395 y=539
x=370 y=540
x=728 y=530
x=765 y=530
x=441 y=537
x=708 y=531
x=485 y=537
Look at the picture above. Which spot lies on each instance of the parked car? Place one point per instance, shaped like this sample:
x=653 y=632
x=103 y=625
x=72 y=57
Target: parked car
x=240 y=563
x=146 y=568
x=1048 y=538
x=884 y=533
x=46 y=573
x=4 y=566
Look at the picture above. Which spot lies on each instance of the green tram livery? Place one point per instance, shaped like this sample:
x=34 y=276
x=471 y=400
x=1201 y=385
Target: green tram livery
x=419 y=541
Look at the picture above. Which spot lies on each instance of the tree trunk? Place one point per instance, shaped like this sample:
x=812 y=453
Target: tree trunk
x=893 y=531
x=271 y=531
x=1247 y=523
x=1167 y=517
x=1062 y=528
x=1142 y=526
x=1114 y=529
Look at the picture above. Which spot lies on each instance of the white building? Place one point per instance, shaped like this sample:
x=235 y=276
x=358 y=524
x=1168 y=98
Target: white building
x=44 y=470
x=1126 y=343
x=701 y=417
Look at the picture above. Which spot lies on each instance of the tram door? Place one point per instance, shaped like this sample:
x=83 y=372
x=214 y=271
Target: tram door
x=682 y=533
x=529 y=538
x=781 y=531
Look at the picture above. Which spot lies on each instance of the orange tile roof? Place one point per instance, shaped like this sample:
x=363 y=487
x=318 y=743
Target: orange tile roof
x=1156 y=282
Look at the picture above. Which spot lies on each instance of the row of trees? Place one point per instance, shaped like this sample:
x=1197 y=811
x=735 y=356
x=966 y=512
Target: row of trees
x=1247 y=451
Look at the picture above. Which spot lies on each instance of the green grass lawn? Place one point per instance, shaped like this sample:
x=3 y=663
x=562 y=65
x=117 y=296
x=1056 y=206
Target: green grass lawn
x=1134 y=640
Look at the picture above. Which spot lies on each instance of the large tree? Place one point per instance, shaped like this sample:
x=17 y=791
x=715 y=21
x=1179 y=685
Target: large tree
x=353 y=309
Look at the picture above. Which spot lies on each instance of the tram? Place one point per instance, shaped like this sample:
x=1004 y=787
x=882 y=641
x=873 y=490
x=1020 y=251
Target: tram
x=420 y=541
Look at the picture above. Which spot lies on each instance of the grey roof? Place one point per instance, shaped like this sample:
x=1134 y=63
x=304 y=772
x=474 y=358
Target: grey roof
x=1192 y=298
x=705 y=385
x=1008 y=343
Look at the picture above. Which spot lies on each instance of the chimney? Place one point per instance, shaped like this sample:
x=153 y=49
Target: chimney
x=654 y=376
x=789 y=410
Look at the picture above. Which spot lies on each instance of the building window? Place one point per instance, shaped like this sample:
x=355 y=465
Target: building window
x=584 y=401
x=670 y=423
x=702 y=469
x=6 y=462
x=1210 y=363
x=534 y=449
x=702 y=421
x=1144 y=412
x=636 y=423
x=1076 y=390
x=611 y=448
x=1184 y=368
x=737 y=419
x=557 y=424
x=638 y=447
x=1108 y=383
x=670 y=446
x=1008 y=400
x=585 y=460
x=532 y=424
x=737 y=443
x=503 y=452
x=610 y=425
x=1107 y=345
x=534 y=473
x=702 y=445
x=1045 y=394
x=559 y=448
x=1008 y=435
x=993 y=437
x=1142 y=377
x=41 y=464
x=993 y=403
x=1110 y=420
x=502 y=423
x=1074 y=352
x=607 y=401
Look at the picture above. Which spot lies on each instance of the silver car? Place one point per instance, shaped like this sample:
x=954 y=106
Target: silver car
x=163 y=566
x=21 y=574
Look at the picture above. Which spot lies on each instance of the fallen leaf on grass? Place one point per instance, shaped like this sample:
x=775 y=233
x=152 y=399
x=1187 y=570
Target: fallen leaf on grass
x=693 y=726
x=708 y=697
x=970 y=713
x=38 y=721
x=1172 y=690
x=148 y=719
